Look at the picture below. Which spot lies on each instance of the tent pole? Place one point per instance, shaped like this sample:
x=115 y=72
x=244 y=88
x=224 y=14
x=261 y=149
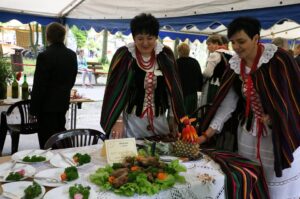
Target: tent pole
x=62 y=14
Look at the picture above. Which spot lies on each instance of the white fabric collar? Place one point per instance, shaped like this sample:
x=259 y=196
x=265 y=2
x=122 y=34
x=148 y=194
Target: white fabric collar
x=269 y=51
x=131 y=48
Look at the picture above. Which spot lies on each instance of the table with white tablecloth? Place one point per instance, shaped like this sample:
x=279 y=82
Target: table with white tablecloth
x=204 y=178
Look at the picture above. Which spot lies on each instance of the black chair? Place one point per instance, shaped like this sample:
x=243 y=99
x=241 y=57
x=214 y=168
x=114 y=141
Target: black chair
x=74 y=138
x=199 y=114
x=26 y=124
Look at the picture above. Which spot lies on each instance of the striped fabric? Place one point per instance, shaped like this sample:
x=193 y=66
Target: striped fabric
x=277 y=83
x=244 y=178
x=120 y=77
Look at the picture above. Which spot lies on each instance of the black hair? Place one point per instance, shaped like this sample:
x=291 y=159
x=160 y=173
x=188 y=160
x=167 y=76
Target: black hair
x=250 y=25
x=144 y=24
x=55 y=32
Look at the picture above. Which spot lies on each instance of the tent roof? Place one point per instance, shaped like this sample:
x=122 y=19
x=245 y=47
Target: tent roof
x=175 y=15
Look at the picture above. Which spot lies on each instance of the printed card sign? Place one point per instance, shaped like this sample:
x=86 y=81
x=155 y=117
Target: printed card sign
x=117 y=149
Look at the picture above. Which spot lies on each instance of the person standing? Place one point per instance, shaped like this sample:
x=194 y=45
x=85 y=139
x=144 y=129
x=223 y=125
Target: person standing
x=191 y=77
x=54 y=77
x=143 y=95
x=262 y=86
x=216 y=64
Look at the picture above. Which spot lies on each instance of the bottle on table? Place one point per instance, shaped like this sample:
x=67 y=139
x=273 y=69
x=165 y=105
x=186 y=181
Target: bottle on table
x=25 y=90
x=15 y=88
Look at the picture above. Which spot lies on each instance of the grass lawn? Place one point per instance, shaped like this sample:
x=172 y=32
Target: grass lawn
x=29 y=70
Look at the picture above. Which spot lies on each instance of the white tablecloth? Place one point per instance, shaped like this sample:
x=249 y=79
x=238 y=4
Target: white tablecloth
x=204 y=178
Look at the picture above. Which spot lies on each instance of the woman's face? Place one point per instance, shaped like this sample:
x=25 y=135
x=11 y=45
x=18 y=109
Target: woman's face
x=145 y=43
x=212 y=47
x=243 y=45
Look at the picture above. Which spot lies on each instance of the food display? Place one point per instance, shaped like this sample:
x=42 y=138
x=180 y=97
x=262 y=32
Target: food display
x=69 y=174
x=139 y=175
x=81 y=159
x=79 y=191
x=32 y=191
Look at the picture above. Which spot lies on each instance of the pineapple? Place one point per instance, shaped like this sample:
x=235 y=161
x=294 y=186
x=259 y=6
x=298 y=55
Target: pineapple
x=187 y=145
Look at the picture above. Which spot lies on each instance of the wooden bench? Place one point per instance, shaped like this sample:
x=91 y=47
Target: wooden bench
x=96 y=67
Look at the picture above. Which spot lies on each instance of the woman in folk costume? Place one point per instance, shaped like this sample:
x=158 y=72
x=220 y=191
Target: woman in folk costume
x=263 y=82
x=216 y=64
x=143 y=96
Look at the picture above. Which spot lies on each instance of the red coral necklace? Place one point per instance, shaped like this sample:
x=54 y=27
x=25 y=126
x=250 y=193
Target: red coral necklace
x=146 y=65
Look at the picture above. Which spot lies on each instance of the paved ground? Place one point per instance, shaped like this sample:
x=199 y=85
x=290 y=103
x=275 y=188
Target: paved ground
x=88 y=116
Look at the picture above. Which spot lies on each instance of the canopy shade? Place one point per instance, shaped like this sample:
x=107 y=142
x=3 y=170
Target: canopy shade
x=175 y=15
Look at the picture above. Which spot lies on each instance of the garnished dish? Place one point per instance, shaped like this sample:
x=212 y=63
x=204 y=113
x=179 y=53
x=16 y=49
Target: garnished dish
x=81 y=159
x=32 y=191
x=139 y=175
x=34 y=158
x=79 y=191
x=23 y=190
x=74 y=191
x=16 y=176
x=12 y=171
x=69 y=174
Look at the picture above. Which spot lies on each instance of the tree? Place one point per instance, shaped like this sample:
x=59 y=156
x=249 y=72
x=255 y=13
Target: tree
x=80 y=35
x=104 y=59
x=34 y=45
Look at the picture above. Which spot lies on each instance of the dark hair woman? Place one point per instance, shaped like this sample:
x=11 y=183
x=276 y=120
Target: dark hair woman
x=143 y=96
x=264 y=80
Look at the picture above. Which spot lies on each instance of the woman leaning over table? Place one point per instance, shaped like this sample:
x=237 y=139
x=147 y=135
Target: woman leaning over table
x=263 y=80
x=143 y=96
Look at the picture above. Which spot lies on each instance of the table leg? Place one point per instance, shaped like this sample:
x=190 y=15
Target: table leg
x=73 y=115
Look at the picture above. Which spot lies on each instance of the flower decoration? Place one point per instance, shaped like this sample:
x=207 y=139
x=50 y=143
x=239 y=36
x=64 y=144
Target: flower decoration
x=18 y=76
x=189 y=132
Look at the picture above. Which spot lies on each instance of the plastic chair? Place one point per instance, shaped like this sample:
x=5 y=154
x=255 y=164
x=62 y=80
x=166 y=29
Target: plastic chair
x=74 y=138
x=27 y=124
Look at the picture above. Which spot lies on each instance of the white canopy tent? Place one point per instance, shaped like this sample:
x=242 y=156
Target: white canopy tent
x=192 y=16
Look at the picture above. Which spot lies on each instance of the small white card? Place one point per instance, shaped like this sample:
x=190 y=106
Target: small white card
x=117 y=149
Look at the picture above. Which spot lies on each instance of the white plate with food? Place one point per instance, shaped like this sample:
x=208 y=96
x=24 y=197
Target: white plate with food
x=52 y=178
x=32 y=156
x=63 y=160
x=16 y=189
x=24 y=170
x=63 y=193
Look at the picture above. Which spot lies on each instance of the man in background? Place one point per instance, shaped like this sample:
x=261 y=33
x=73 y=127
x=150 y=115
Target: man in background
x=54 y=77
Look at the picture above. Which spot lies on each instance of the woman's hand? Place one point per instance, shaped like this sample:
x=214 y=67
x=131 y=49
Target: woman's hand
x=206 y=135
x=117 y=130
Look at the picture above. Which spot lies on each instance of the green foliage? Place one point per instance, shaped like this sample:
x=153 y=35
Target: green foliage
x=29 y=70
x=14 y=176
x=80 y=35
x=6 y=74
x=82 y=158
x=72 y=173
x=32 y=191
x=34 y=158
